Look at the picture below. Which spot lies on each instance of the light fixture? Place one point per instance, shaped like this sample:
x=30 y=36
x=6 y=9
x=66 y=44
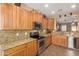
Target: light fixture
x=59 y=16
x=46 y=5
x=71 y=13
x=53 y=12
x=65 y=15
x=73 y=6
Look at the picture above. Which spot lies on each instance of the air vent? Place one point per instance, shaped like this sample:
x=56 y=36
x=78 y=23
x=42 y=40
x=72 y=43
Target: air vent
x=18 y=4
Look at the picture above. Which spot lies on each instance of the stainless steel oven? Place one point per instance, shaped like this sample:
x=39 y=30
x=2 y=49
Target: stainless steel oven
x=41 y=45
x=40 y=41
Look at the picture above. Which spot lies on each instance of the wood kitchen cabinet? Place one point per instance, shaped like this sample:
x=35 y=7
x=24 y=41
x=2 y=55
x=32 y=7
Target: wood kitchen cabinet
x=32 y=48
x=15 y=20
x=21 y=18
x=21 y=52
x=27 y=49
x=29 y=21
x=50 y=24
x=44 y=23
x=48 y=40
x=24 y=18
x=39 y=15
x=60 y=40
x=14 y=17
x=36 y=17
x=6 y=16
x=0 y=18
x=16 y=51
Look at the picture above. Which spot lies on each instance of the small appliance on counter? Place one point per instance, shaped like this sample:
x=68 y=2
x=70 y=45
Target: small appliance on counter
x=40 y=41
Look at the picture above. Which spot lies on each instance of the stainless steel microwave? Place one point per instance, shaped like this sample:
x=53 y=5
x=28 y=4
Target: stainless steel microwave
x=37 y=25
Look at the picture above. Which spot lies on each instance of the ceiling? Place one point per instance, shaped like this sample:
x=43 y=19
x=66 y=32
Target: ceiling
x=59 y=8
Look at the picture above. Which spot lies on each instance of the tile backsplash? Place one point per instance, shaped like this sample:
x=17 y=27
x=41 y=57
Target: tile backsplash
x=7 y=36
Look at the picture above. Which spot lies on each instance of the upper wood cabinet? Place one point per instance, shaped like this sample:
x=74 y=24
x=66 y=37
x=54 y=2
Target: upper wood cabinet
x=50 y=24
x=34 y=14
x=14 y=17
x=39 y=17
x=0 y=18
x=36 y=17
x=28 y=20
x=44 y=23
x=6 y=16
x=22 y=18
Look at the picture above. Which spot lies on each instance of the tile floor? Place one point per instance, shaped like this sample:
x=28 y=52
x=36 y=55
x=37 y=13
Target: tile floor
x=59 y=51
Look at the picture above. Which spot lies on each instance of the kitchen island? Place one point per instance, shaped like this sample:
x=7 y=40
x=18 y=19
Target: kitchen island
x=65 y=39
x=26 y=47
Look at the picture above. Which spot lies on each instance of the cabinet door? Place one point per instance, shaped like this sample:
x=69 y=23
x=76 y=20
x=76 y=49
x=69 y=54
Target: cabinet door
x=1 y=18
x=32 y=48
x=65 y=42
x=39 y=17
x=51 y=24
x=20 y=50
x=33 y=15
x=28 y=20
x=18 y=53
x=48 y=41
x=15 y=17
x=22 y=19
x=44 y=22
x=6 y=12
x=18 y=18
x=53 y=39
x=48 y=24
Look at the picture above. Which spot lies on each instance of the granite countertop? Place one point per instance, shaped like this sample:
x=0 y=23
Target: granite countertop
x=15 y=43
x=75 y=35
x=46 y=35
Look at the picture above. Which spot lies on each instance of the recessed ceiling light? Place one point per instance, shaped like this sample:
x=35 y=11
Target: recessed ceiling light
x=46 y=5
x=73 y=6
x=53 y=12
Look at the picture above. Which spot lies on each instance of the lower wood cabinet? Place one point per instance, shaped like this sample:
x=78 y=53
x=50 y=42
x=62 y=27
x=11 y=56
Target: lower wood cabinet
x=28 y=49
x=60 y=40
x=47 y=40
x=32 y=48
x=21 y=52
